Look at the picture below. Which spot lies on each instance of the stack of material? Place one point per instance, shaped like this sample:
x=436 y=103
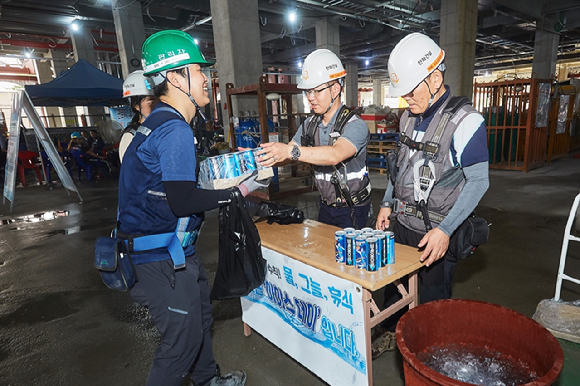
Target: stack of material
x=561 y=318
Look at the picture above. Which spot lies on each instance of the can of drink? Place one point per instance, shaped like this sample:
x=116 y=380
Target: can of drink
x=217 y=167
x=381 y=251
x=360 y=247
x=349 y=230
x=256 y=158
x=350 y=252
x=377 y=232
x=372 y=261
x=340 y=246
x=247 y=161
x=368 y=234
x=390 y=247
x=231 y=170
x=358 y=232
x=367 y=229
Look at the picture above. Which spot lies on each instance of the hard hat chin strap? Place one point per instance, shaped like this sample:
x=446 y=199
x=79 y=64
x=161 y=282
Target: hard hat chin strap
x=430 y=93
x=197 y=109
x=332 y=99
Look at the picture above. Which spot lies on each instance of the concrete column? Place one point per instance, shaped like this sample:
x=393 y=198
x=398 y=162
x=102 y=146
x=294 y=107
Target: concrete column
x=545 y=49
x=238 y=52
x=351 y=88
x=458 y=33
x=44 y=71
x=59 y=64
x=130 y=34
x=327 y=35
x=378 y=92
x=83 y=49
x=297 y=99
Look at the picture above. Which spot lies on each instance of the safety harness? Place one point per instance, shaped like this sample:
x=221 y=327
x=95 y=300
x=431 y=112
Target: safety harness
x=424 y=173
x=338 y=180
x=174 y=242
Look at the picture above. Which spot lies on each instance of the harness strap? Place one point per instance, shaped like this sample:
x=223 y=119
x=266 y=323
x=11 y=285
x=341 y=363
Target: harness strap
x=404 y=208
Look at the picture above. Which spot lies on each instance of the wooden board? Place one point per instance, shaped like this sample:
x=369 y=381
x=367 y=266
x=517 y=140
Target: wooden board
x=313 y=243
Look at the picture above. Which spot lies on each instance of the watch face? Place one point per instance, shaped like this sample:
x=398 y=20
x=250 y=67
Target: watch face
x=295 y=153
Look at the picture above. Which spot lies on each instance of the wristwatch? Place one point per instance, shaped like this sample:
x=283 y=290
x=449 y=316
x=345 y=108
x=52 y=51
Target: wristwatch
x=295 y=153
x=386 y=204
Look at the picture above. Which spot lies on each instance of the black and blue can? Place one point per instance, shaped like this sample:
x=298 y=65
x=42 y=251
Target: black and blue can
x=247 y=161
x=350 y=252
x=360 y=247
x=340 y=246
x=390 y=246
x=381 y=250
x=257 y=158
x=372 y=255
x=231 y=169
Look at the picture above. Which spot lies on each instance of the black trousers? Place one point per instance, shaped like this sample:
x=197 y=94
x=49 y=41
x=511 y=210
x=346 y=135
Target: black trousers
x=434 y=282
x=340 y=217
x=179 y=304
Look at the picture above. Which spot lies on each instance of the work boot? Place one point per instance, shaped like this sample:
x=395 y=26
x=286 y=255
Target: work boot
x=237 y=378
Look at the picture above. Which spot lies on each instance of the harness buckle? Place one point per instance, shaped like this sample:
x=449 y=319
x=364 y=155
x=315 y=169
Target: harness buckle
x=431 y=150
x=423 y=184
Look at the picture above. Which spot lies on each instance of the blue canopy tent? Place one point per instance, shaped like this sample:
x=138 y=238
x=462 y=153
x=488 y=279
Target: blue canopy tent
x=81 y=85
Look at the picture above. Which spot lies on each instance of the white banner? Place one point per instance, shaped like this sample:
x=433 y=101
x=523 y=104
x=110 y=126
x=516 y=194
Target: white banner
x=315 y=317
x=13 y=145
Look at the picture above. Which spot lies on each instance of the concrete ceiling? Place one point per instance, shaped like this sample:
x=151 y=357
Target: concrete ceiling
x=368 y=28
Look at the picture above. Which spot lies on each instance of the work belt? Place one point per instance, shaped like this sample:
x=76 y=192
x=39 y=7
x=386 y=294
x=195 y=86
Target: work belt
x=358 y=198
x=404 y=208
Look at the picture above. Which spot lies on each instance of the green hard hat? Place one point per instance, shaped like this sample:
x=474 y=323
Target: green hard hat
x=166 y=50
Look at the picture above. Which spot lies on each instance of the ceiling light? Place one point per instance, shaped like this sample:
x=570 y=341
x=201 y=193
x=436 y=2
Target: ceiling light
x=27 y=54
x=196 y=41
x=300 y=64
x=292 y=16
x=74 y=25
x=367 y=62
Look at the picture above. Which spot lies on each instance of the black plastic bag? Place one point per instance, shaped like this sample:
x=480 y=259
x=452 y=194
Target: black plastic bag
x=472 y=233
x=241 y=267
x=281 y=213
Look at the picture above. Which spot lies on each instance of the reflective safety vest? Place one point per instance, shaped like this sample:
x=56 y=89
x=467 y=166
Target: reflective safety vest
x=145 y=218
x=429 y=173
x=353 y=170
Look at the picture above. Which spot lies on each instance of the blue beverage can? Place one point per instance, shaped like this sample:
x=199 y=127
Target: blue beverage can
x=368 y=234
x=350 y=251
x=358 y=232
x=381 y=250
x=247 y=162
x=349 y=230
x=390 y=247
x=229 y=165
x=367 y=229
x=377 y=232
x=217 y=167
x=372 y=261
x=360 y=247
x=256 y=158
x=340 y=246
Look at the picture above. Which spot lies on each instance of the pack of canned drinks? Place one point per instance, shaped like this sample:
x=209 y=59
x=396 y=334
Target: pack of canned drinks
x=226 y=170
x=368 y=249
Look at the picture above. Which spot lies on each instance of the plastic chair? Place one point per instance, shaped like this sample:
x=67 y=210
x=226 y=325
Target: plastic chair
x=48 y=164
x=86 y=164
x=28 y=160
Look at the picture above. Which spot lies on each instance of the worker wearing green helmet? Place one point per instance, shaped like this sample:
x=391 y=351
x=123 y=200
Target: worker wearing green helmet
x=158 y=195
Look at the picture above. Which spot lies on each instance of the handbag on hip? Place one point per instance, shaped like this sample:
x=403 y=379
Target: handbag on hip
x=114 y=263
x=472 y=233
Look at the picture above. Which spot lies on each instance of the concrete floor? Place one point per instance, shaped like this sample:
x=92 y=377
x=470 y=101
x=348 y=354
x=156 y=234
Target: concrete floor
x=59 y=325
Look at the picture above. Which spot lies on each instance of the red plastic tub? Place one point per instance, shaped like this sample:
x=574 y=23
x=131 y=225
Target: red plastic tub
x=475 y=324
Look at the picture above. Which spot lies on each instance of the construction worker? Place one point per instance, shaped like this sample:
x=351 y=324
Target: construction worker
x=158 y=195
x=334 y=140
x=439 y=174
x=142 y=101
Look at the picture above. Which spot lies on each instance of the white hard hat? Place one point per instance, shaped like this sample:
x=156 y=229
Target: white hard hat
x=135 y=85
x=412 y=60
x=320 y=67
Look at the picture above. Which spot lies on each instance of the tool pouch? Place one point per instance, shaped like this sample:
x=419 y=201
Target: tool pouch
x=114 y=263
x=472 y=233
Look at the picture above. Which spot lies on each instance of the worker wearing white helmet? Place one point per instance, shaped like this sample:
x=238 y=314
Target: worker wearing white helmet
x=142 y=101
x=438 y=174
x=334 y=140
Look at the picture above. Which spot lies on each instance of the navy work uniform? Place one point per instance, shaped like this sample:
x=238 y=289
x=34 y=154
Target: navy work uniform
x=177 y=299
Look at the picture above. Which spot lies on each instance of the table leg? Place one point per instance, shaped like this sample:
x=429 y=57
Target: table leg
x=247 y=330
x=373 y=315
